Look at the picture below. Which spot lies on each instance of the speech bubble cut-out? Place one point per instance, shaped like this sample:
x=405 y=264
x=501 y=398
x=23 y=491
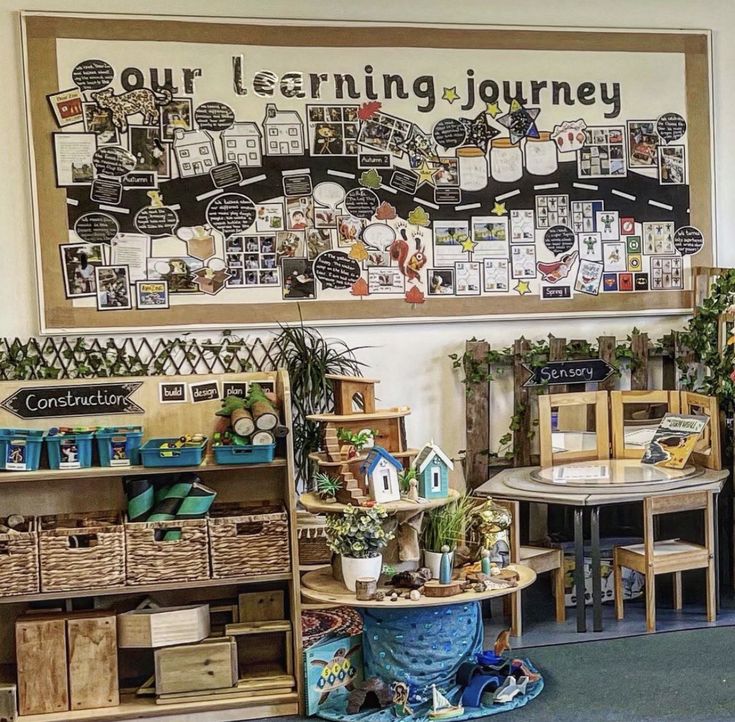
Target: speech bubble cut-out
x=92 y=74
x=671 y=127
x=361 y=203
x=379 y=235
x=329 y=194
x=214 y=116
x=335 y=269
x=559 y=239
x=96 y=227
x=688 y=240
x=113 y=160
x=156 y=221
x=231 y=213
x=449 y=133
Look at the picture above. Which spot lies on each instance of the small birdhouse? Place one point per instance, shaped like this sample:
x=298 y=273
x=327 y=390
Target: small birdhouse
x=380 y=469
x=432 y=468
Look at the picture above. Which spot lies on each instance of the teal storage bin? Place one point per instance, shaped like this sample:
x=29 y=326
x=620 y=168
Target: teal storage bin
x=153 y=455
x=250 y=454
x=70 y=451
x=119 y=445
x=20 y=449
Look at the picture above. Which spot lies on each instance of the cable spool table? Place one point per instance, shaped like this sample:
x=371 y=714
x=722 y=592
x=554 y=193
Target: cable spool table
x=421 y=642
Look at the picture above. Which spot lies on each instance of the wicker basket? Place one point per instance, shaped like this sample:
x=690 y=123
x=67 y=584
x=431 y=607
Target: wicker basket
x=81 y=551
x=151 y=558
x=248 y=539
x=19 y=561
x=313 y=547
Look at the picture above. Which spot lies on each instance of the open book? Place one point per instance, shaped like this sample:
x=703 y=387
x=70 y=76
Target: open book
x=674 y=440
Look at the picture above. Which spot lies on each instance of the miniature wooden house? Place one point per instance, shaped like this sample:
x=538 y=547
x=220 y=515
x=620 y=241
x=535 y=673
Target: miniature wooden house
x=432 y=469
x=380 y=469
x=351 y=391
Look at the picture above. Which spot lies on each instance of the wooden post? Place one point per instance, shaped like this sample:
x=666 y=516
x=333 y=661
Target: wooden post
x=607 y=346
x=521 y=406
x=557 y=352
x=669 y=371
x=639 y=374
x=477 y=420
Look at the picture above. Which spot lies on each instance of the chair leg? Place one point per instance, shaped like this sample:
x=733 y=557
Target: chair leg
x=677 y=591
x=711 y=592
x=618 y=582
x=650 y=602
x=558 y=582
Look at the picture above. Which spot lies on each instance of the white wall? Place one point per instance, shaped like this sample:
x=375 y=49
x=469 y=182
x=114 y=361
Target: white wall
x=411 y=359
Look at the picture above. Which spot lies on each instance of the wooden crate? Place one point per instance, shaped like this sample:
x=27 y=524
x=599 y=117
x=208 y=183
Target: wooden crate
x=19 y=561
x=92 y=658
x=249 y=539
x=152 y=559
x=264 y=650
x=40 y=643
x=8 y=702
x=261 y=606
x=209 y=665
x=81 y=551
x=163 y=627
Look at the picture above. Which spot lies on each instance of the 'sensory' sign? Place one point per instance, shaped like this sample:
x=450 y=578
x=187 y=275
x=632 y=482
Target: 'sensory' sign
x=82 y=400
x=581 y=371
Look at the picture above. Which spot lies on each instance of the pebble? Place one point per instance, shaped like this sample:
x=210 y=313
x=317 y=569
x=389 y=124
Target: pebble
x=15 y=520
x=394 y=597
x=379 y=596
x=414 y=595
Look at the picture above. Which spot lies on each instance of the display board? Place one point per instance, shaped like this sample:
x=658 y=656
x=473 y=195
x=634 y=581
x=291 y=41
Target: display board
x=215 y=174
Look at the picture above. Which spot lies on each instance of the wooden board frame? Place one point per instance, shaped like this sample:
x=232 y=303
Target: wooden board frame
x=58 y=315
x=711 y=458
x=618 y=400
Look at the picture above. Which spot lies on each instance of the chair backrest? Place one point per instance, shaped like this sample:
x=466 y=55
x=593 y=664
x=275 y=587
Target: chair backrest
x=594 y=406
x=707 y=453
x=625 y=445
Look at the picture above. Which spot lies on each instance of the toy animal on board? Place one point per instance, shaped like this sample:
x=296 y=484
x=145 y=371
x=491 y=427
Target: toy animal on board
x=141 y=100
x=502 y=642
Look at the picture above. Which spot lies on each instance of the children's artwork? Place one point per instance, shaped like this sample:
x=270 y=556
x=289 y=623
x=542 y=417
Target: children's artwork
x=332 y=670
x=674 y=440
x=192 y=172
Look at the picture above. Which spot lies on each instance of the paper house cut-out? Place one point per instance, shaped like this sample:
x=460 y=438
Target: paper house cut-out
x=380 y=469
x=283 y=131
x=432 y=469
x=241 y=144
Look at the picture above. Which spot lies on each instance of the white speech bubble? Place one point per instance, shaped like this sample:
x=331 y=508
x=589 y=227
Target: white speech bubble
x=161 y=267
x=329 y=194
x=185 y=233
x=380 y=235
x=217 y=264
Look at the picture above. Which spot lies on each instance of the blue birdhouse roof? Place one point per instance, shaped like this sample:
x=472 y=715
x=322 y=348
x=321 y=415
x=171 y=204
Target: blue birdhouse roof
x=373 y=458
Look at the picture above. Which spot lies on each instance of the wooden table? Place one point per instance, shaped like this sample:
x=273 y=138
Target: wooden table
x=314 y=504
x=621 y=480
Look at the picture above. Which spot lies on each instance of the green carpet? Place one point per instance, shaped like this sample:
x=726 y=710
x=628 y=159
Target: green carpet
x=677 y=676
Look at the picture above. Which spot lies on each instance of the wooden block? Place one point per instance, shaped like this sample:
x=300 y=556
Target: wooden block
x=262 y=606
x=164 y=626
x=41 y=655
x=212 y=664
x=92 y=649
x=8 y=702
x=434 y=589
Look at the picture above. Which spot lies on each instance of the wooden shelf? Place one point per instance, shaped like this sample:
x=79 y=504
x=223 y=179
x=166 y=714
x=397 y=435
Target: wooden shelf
x=313 y=503
x=145 y=588
x=395 y=412
x=323 y=460
x=96 y=472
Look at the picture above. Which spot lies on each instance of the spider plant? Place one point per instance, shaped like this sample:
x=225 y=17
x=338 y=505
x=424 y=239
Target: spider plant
x=447 y=525
x=327 y=486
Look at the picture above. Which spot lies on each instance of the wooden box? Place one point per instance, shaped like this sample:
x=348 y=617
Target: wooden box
x=209 y=665
x=261 y=606
x=164 y=627
x=8 y=702
x=19 y=562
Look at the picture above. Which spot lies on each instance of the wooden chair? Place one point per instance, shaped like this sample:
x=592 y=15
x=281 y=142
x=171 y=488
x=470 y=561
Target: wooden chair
x=670 y=556
x=707 y=452
x=669 y=400
x=598 y=400
x=540 y=559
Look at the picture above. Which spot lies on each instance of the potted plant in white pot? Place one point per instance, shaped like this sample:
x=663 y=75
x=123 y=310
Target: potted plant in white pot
x=444 y=526
x=358 y=536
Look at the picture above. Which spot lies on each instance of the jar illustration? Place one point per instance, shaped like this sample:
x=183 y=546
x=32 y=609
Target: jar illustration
x=506 y=160
x=472 y=168
x=541 y=158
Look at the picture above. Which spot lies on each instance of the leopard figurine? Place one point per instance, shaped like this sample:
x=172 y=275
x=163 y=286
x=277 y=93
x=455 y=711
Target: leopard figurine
x=141 y=100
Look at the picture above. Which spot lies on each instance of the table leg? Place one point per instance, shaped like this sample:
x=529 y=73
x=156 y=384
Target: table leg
x=716 y=539
x=579 y=568
x=596 y=579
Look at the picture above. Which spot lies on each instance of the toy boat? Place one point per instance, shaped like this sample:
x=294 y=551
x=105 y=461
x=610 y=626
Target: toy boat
x=442 y=708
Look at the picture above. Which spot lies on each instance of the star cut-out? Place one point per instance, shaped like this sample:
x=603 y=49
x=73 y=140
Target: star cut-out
x=479 y=131
x=468 y=245
x=522 y=288
x=493 y=109
x=419 y=146
x=520 y=121
x=425 y=173
x=499 y=209
x=450 y=94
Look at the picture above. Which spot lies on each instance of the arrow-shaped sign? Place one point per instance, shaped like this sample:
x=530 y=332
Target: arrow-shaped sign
x=580 y=371
x=42 y=402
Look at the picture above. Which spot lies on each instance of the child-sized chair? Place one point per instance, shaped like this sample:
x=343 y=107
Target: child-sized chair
x=670 y=556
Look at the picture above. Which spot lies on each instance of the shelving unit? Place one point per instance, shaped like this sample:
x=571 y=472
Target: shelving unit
x=98 y=488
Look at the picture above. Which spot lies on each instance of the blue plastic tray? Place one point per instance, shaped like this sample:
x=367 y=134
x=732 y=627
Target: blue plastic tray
x=78 y=447
x=126 y=441
x=153 y=455
x=260 y=454
x=23 y=456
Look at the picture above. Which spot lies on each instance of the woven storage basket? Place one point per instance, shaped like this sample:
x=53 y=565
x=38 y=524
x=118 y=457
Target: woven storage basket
x=81 y=551
x=152 y=559
x=19 y=561
x=313 y=547
x=248 y=539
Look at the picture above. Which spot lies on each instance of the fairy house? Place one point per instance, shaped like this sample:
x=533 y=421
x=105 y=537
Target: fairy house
x=432 y=469
x=380 y=469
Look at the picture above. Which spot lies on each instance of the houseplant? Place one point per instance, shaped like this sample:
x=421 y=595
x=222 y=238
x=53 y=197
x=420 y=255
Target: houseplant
x=355 y=442
x=444 y=525
x=327 y=486
x=357 y=535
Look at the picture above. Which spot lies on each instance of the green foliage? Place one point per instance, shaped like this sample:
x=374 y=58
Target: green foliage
x=358 y=439
x=327 y=486
x=370 y=178
x=358 y=532
x=447 y=524
x=404 y=479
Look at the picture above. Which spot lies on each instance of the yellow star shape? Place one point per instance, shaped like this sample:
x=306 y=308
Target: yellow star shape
x=468 y=244
x=450 y=94
x=493 y=109
x=426 y=173
x=523 y=287
x=499 y=209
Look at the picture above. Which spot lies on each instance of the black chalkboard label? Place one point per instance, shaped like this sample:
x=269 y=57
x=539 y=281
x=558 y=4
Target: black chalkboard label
x=556 y=292
x=172 y=393
x=106 y=190
x=298 y=184
x=226 y=174
x=405 y=181
x=235 y=388
x=447 y=196
x=204 y=391
x=365 y=161
x=48 y=402
x=580 y=371
x=140 y=179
